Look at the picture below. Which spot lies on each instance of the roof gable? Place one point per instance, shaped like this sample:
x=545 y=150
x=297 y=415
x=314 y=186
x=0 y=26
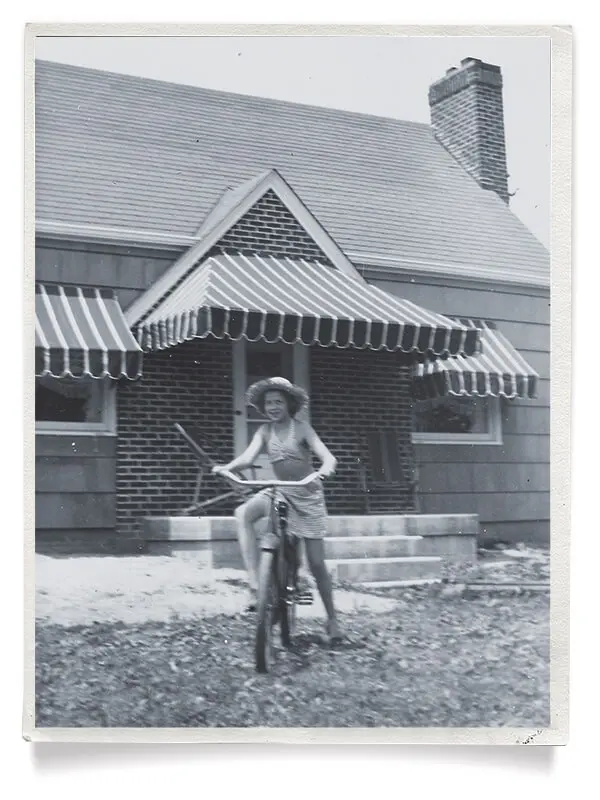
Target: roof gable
x=235 y=204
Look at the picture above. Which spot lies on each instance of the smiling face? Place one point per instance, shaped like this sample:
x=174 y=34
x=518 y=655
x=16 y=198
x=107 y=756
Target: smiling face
x=276 y=406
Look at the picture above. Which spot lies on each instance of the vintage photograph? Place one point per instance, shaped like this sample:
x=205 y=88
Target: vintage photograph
x=292 y=382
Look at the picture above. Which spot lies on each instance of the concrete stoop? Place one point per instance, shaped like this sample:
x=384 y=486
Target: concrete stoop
x=371 y=570
x=378 y=550
x=353 y=547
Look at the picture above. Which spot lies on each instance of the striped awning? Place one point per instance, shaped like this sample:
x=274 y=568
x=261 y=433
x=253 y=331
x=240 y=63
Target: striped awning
x=286 y=300
x=498 y=370
x=82 y=332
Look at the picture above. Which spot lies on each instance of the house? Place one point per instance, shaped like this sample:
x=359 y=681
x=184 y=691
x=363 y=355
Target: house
x=190 y=241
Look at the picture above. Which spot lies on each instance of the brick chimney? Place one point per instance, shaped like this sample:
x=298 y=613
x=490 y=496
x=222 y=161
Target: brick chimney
x=467 y=116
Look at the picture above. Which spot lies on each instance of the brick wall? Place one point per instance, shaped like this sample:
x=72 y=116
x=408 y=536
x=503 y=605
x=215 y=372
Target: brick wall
x=156 y=472
x=353 y=391
x=269 y=229
x=468 y=118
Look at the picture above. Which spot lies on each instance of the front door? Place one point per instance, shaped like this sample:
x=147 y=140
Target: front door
x=253 y=361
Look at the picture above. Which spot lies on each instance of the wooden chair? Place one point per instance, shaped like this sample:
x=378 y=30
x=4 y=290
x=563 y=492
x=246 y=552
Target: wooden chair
x=195 y=441
x=389 y=463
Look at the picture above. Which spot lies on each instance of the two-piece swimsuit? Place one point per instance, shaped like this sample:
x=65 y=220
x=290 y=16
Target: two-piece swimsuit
x=307 y=514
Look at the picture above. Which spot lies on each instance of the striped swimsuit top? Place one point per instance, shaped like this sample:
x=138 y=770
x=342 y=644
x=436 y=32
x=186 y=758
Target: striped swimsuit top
x=289 y=449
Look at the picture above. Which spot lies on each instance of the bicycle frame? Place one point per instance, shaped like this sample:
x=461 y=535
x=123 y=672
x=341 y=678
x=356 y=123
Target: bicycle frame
x=277 y=516
x=282 y=569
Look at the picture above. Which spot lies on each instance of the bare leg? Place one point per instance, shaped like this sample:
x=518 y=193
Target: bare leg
x=303 y=584
x=315 y=553
x=246 y=517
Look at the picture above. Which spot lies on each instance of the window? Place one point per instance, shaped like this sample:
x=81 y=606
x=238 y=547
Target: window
x=457 y=420
x=68 y=405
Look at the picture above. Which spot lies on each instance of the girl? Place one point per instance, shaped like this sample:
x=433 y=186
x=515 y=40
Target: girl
x=288 y=443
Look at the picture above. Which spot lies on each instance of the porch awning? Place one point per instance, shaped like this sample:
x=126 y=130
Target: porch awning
x=498 y=370
x=286 y=300
x=82 y=331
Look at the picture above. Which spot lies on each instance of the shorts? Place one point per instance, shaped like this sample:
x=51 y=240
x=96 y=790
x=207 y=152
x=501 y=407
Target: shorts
x=307 y=513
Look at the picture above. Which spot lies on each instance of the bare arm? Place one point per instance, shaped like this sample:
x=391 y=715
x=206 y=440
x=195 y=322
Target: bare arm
x=328 y=460
x=247 y=458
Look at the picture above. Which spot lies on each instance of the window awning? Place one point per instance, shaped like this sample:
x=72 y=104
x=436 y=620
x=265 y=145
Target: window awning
x=498 y=370
x=286 y=300
x=82 y=331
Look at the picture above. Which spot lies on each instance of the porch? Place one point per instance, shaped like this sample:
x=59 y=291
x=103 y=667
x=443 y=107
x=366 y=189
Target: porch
x=381 y=550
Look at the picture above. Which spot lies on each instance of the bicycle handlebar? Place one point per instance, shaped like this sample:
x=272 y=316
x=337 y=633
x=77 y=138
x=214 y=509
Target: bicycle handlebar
x=264 y=484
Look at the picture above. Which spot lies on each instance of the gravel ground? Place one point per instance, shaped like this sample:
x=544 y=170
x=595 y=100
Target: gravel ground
x=155 y=642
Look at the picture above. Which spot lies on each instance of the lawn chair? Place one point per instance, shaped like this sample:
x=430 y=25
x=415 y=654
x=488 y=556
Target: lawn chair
x=390 y=463
x=195 y=441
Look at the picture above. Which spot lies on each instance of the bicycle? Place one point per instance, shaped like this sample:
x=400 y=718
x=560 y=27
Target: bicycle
x=278 y=572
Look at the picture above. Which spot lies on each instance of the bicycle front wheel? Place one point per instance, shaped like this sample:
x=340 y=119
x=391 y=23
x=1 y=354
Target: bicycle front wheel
x=267 y=606
x=287 y=602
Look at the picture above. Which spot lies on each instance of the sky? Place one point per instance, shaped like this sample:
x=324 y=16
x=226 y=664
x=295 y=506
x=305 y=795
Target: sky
x=383 y=75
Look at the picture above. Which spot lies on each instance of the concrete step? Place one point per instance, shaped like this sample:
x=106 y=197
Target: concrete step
x=399 y=584
x=360 y=570
x=452 y=537
x=373 y=525
x=371 y=546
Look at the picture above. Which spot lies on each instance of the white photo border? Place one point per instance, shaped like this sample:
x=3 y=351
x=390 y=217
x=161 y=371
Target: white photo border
x=557 y=732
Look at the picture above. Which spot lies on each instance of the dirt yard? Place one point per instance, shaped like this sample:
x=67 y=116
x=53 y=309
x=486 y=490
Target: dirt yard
x=156 y=642
x=143 y=589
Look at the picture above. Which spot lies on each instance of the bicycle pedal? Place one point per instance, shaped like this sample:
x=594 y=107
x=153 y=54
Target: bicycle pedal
x=304 y=599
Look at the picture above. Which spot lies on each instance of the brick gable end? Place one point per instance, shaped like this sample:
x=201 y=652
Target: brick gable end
x=270 y=229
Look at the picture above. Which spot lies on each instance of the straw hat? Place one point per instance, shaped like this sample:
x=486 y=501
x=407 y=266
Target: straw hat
x=256 y=393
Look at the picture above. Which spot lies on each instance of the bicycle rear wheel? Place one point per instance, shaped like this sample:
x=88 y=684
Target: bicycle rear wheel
x=267 y=608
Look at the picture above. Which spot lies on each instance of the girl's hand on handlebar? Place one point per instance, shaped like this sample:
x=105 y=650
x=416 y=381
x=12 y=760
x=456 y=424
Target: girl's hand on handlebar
x=218 y=469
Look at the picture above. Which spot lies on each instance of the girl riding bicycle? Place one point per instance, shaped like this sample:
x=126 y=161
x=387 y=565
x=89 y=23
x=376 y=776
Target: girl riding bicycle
x=288 y=443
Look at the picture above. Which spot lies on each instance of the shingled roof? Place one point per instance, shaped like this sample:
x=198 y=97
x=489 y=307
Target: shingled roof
x=130 y=153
